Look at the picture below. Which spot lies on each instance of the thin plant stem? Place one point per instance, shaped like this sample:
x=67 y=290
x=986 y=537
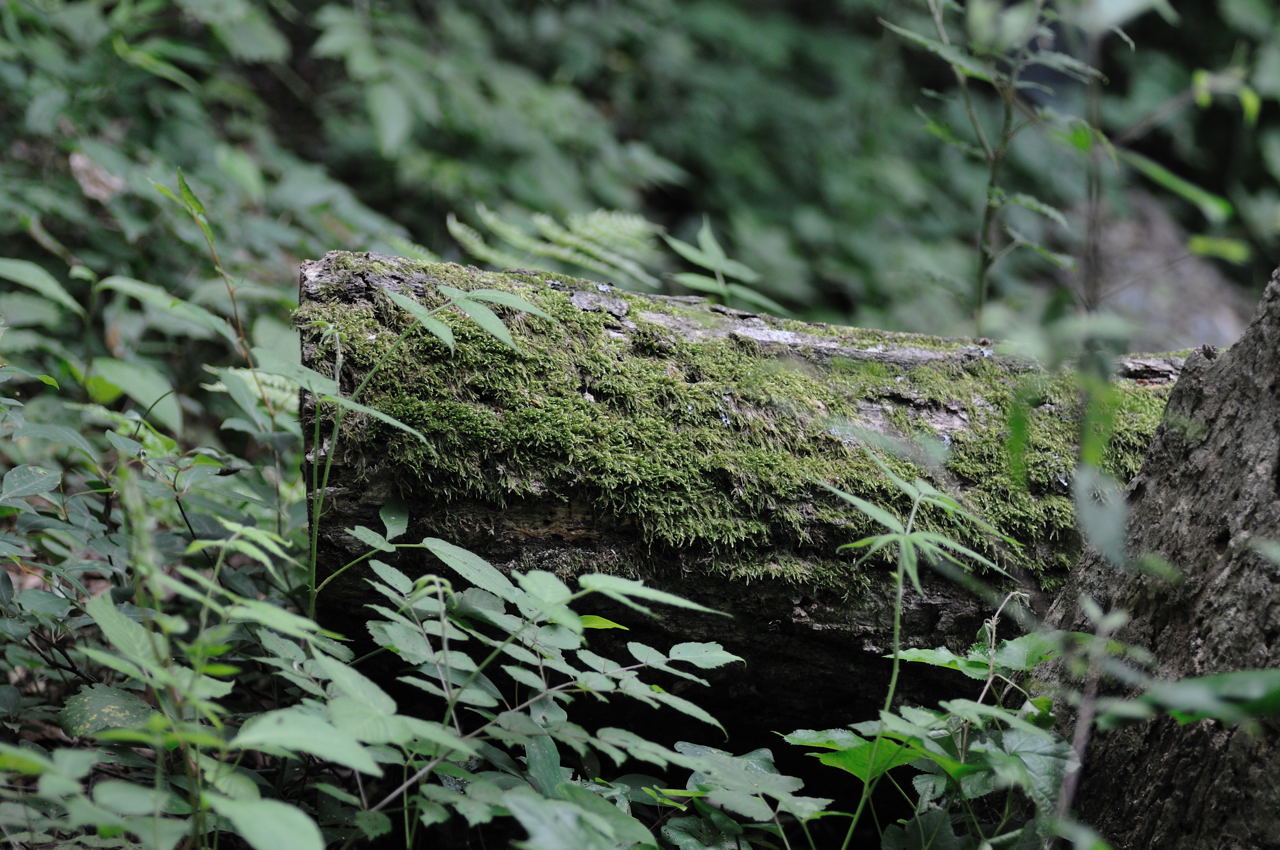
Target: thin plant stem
x=899 y=591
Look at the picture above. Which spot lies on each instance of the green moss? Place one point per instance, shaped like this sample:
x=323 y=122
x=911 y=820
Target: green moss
x=711 y=446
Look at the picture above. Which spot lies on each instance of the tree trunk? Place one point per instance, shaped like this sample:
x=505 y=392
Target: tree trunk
x=684 y=443
x=1209 y=488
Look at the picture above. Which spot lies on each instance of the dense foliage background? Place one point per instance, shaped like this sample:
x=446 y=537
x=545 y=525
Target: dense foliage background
x=846 y=155
x=800 y=131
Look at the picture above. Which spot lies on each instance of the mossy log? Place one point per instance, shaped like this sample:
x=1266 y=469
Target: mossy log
x=685 y=443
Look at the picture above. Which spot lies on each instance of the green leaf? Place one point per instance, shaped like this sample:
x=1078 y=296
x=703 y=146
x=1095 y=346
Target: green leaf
x=556 y=824
x=308 y=379
x=593 y=621
x=487 y=320
x=1236 y=251
x=543 y=761
x=506 y=299
x=273 y=617
x=684 y=706
x=97 y=707
x=23 y=760
x=367 y=725
x=1101 y=513
x=1229 y=697
x=127 y=637
x=870 y=759
x=355 y=684
x=1038 y=206
x=1213 y=207
x=146 y=386
x=434 y=326
x=749 y=295
x=269 y=824
x=126 y=798
x=392 y=115
x=943 y=657
x=440 y=735
x=395 y=518
x=474 y=569
x=373 y=824
x=957 y=59
x=726 y=267
x=876 y=512
x=295 y=730
x=1028 y=651
x=28 y=480
x=160 y=299
x=627 y=831
x=60 y=434
x=188 y=196
x=706 y=656
x=376 y=414
x=626 y=590
x=370 y=538
x=34 y=277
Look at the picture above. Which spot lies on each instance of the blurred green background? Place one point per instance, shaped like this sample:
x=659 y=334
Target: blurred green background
x=829 y=153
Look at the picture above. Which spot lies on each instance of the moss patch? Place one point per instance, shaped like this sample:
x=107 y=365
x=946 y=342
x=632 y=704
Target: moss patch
x=693 y=437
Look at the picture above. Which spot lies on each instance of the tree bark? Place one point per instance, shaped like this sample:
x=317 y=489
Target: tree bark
x=684 y=443
x=1209 y=488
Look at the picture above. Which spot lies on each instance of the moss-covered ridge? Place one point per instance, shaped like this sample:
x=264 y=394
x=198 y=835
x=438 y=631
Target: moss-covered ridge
x=694 y=428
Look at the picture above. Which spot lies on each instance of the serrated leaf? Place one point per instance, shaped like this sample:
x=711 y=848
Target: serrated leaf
x=1038 y=206
x=1101 y=513
x=126 y=798
x=874 y=511
x=393 y=577
x=555 y=824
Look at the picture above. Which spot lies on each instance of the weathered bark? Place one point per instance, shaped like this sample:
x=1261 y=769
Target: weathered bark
x=683 y=443
x=1209 y=487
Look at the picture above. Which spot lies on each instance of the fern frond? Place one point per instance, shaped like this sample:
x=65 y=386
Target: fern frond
x=619 y=262
x=473 y=243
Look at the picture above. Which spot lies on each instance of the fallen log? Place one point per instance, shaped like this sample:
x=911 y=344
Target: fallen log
x=685 y=443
